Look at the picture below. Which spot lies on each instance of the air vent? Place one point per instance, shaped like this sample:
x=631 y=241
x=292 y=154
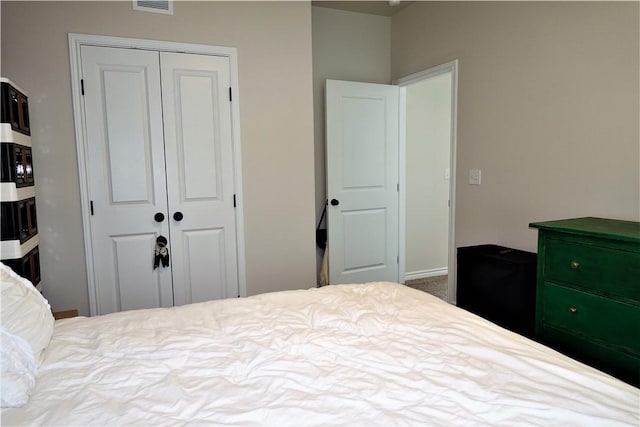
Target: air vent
x=156 y=6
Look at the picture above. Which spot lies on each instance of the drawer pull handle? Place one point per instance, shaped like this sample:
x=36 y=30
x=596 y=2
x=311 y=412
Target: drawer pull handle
x=574 y=264
x=573 y=310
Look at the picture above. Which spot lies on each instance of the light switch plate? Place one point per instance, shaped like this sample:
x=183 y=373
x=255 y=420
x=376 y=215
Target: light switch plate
x=475 y=177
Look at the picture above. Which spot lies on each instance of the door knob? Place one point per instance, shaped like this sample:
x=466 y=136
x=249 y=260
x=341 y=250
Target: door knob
x=334 y=202
x=159 y=217
x=178 y=216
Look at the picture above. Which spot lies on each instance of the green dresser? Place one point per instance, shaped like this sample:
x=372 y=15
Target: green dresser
x=588 y=292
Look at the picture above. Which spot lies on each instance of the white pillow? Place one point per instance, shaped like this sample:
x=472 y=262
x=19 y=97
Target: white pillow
x=19 y=370
x=25 y=312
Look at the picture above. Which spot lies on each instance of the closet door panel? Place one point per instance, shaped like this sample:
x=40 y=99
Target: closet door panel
x=134 y=288
x=198 y=145
x=127 y=184
x=204 y=254
x=198 y=138
x=127 y=135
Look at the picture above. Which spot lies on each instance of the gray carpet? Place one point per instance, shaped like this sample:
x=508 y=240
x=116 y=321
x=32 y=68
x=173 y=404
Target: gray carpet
x=436 y=286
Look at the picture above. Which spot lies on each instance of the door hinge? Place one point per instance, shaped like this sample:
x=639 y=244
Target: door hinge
x=82 y=86
x=91 y=207
x=398 y=187
x=234 y=200
x=230 y=95
x=398 y=259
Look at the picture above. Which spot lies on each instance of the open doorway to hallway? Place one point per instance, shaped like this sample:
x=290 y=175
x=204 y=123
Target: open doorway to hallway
x=429 y=162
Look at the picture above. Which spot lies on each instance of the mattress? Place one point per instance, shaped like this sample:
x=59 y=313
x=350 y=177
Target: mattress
x=377 y=354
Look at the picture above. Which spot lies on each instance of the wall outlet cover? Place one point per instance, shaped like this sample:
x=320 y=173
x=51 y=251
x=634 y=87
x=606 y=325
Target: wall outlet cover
x=475 y=177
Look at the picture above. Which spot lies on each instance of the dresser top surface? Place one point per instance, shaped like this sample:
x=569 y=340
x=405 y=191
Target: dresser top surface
x=590 y=226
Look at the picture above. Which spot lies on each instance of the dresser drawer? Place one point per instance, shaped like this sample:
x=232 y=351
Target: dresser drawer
x=608 y=270
x=620 y=364
x=582 y=314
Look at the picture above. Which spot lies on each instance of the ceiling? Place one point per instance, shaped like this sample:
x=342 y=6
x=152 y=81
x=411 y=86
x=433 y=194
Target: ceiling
x=381 y=8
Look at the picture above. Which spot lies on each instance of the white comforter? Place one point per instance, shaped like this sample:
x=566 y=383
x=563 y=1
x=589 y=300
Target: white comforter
x=356 y=355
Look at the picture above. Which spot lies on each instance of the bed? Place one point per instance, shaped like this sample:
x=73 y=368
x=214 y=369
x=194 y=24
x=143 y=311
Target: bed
x=371 y=354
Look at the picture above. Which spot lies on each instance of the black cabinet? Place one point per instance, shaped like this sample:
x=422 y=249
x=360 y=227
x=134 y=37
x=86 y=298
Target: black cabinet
x=499 y=284
x=19 y=220
x=17 y=164
x=15 y=108
x=27 y=266
x=19 y=227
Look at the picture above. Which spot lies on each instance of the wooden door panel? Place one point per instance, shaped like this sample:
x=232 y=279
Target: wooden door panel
x=127 y=136
x=196 y=119
x=198 y=144
x=204 y=256
x=159 y=141
x=365 y=228
x=127 y=184
x=136 y=284
x=364 y=155
x=362 y=177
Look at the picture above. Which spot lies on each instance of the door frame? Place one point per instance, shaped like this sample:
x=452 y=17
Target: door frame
x=452 y=67
x=76 y=41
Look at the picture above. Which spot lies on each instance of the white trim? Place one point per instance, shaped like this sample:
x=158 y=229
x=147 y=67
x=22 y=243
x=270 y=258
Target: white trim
x=7 y=134
x=15 y=86
x=424 y=274
x=452 y=288
x=402 y=202
x=427 y=74
x=76 y=41
x=237 y=168
x=452 y=67
x=12 y=249
x=9 y=192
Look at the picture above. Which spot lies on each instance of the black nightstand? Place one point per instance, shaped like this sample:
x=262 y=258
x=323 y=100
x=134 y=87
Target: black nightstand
x=499 y=284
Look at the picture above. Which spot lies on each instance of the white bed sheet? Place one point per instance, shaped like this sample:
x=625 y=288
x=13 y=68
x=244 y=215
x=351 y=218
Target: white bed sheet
x=376 y=354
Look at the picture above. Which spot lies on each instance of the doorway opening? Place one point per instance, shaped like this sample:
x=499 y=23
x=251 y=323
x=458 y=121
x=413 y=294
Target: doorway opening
x=428 y=153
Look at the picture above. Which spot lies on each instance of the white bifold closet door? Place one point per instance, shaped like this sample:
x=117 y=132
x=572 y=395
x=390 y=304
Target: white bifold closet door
x=160 y=162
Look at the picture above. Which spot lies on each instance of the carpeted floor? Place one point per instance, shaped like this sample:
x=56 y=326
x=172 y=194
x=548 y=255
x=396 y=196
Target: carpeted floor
x=434 y=285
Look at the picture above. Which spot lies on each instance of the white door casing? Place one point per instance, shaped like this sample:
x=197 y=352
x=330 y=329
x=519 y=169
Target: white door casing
x=199 y=236
x=197 y=125
x=362 y=128
x=449 y=67
x=127 y=176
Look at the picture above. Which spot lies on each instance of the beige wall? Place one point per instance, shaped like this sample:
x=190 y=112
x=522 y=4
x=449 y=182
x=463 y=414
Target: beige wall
x=275 y=79
x=547 y=109
x=428 y=142
x=346 y=46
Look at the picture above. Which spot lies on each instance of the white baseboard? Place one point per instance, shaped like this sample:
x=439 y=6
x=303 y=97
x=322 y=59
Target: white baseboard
x=423 y=274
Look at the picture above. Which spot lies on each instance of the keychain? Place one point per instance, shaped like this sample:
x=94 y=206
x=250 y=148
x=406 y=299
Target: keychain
x=161 y=253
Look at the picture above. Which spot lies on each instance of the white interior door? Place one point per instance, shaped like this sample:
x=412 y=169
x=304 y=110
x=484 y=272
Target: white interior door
x=362 y=128
x=159 y=142
x=198 y=144
x=126 y=176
